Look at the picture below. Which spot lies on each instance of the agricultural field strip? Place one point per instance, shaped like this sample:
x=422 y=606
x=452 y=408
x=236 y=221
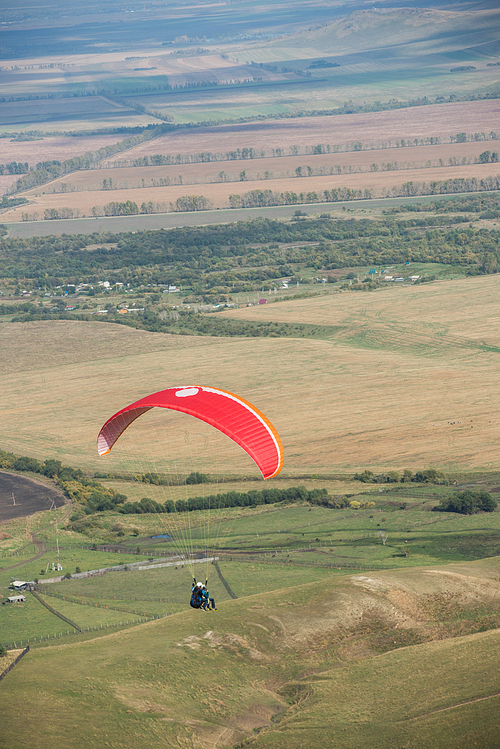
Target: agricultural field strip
x=48 y=148
x=57 y=117
x=374 y=129
x=270 y=168
x=376 y=183
x=484 y=117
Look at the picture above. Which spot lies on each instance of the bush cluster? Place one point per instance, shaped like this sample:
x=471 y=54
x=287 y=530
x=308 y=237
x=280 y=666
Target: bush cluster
x=90 y=493
x=467 y=503
x=426 y=476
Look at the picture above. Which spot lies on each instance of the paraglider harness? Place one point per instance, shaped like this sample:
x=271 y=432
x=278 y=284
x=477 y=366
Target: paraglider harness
x=196 y=595
x=200 y=596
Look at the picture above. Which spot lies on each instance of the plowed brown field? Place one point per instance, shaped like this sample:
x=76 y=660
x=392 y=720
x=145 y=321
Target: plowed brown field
x=437 y=121
x=285 y=167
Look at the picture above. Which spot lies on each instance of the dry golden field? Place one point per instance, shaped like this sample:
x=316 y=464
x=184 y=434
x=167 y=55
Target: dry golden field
x=372 y=129
x=380 y=183
x=410 y=379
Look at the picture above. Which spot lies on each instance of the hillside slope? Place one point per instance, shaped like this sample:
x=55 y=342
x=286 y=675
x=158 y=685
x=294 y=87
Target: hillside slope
x=399 y=658
x=395 y=33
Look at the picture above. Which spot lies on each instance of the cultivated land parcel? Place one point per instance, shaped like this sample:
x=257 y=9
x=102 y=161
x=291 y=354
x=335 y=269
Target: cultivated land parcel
x=363 y=618
x=276 y=109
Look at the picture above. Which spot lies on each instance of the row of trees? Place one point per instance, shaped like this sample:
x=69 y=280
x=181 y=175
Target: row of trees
x=91 y=497
x=426 y=476
x=262 y=198
x=266 y=198
x=46 y=171
x=250 y=153
x=14 y=167
x=230 y=499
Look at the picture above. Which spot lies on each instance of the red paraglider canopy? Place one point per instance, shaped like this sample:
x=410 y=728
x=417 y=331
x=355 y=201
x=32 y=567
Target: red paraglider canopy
x=230 y=414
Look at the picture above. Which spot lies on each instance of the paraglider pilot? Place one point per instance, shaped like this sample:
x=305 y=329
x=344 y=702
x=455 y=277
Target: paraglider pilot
x=200 y=596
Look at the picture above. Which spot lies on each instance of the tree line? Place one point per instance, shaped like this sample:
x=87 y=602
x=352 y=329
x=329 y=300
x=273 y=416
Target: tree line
x=262 y=198
x=229 y=499
x=46 y=171
x=72 y=481
x=244 y=255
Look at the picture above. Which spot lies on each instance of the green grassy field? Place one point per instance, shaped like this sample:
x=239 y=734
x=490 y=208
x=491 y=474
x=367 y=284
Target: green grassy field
x=268 y=667
x=260 y=549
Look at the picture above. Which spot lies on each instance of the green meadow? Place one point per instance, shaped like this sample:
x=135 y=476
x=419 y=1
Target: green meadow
x=320 y=659
x=259 y=549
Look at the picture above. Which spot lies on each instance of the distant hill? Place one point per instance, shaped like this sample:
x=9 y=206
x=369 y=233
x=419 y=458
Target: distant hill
x=395 y=33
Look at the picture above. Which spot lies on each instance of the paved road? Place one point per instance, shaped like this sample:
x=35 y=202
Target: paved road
x=144 y=222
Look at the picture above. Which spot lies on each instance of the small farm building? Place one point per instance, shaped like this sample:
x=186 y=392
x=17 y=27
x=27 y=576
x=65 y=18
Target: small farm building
x=19 y=585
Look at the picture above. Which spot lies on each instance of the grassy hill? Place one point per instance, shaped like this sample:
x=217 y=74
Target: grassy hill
x=315 y=662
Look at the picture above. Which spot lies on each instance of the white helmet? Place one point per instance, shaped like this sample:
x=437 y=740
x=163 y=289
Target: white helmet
x=199 y=585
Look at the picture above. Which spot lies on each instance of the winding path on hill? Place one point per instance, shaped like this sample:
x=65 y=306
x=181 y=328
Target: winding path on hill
x=451 y=707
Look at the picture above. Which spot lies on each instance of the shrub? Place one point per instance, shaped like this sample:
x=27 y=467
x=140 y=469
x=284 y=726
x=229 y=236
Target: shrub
x=429 y=476
x=197 y=478
x=467 y=503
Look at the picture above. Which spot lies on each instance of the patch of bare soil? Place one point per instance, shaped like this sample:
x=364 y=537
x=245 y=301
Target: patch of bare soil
x=21 y=496
x=380 y=612
x=229 y=641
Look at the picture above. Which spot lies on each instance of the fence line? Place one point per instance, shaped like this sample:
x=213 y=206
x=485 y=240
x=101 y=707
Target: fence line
x=55 y=636
x=82 y=602
x=54 y=611
x=131 y=566
x=277 y=558
x=14 y=663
